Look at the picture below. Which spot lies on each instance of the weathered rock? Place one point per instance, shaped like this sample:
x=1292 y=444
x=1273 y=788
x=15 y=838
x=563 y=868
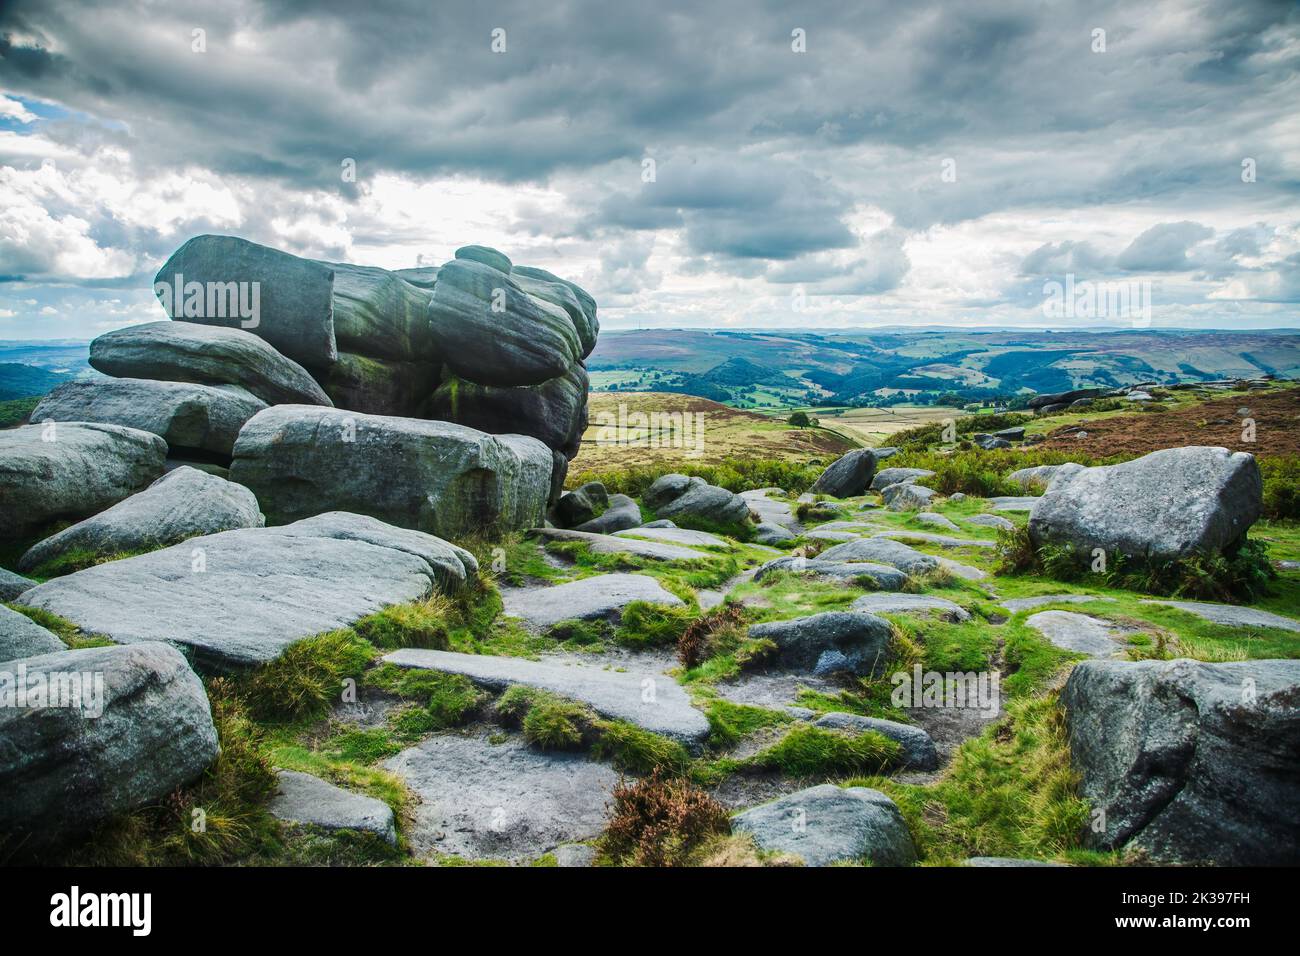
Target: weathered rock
x=142 y=729
x=684 y=536
x=885 y=451
x=437 y=477
x=1026 y=604
x=187 y=416
x=645 y=697
x=378 y=314
x=620 y=514
x=1230 y=615
x=1041 y=475
x=772 y=534
x=991 y=442
x=574 y=854
x=910 y=604
x=830 y=642
x=937 y=520
x=20 y=636
x=991 y=521
x=1053 y=408
x=294 y=308
x=882 y=576
x=919 y=752
x=830 y=534
x=882 y=551
x=1007 y=860
x=1063 y=398
x=1011 y=503
x=1077 y=633
x=942 y=540
x=304 y=799
x=1015 y=433
x=382 y=386
x=580 y=505
x=12 y=585
x=769 y=510
x=611 y=544
x=599 y=597
x=208 y=355
x=892 y=476
x=484 y=800
x=241 y=597
x=574 y=300
x=828 y=824
x=179 y=505
x=694 y=499
x=1190 y=762
x=1169 y=504
x=908 y=496
x=848 y=476
x=959 y=570
x=68 y=470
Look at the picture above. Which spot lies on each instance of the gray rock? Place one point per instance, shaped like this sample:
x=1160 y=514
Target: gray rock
x=881 y=576
x=611 y=544
x=621 y=514
x=581 y=504
x=828 y=824
x=938 y=520
x=1167 y=504
x=67 y=470
x=374 y=386
x=378 y=314
x=768 y=509
x=574 y=854
x=599 y=597
x=661 y=523
x=829 y=534
x=20 y=636
x=1026 y=604
x=1081 y=403
x=1007 y=860
x=179 y=505
x=304 y=799
x=1011 y=503
x=1053 y=408
x=241 y=597
x=1138 y=396
x=1015 y=433
x=1041 y=476
x=991 y=442
x=1230 y=615
x=481 y=800
x=772 y=534
x=646 y=697
x=1077 y=633
x=919 y=752
x=964 y=571
x=892 y=476
x=1063 y=398
x=685 y=536
x=848 y=476
x=1190 y=762
x=885 y=451
x=942 y=540
x=957 y=496
x=991 y=521
x=208 y=355
x=679 y=497
x=573 y=299
x=437 y=477
x=882 y=551
x=908 y=496
x=910 y=604
x=189 y=417
x=142 y=729
x=830 y=642
x=12 y=585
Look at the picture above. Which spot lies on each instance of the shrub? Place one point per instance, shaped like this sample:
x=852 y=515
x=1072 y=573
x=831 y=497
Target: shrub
x=1281 y=486
x=658 y=821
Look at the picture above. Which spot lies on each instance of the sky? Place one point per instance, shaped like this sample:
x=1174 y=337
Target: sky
x=721 y=164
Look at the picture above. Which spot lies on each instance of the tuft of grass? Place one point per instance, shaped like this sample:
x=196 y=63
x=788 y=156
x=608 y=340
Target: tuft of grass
x=62 y=628
x=635 y=750
x=304 y=680
x=808 y=751
x=78 y=559
x=710 y=633
x=417 y=624
x=653 y=625
x=729 y=722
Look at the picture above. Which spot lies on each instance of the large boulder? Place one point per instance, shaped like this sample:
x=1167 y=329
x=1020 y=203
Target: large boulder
x=620 y=514
x=829 y=643
x=1169 y=504
x=239 y=598
x=908 y=496
x=20 y=636
x=12 y=585
x=189 y=417
x=381 y=386
x=208 y=355
x=65 y=471
x=848 y=476
x=581 y=504
x=1042 y=475
x=892 y=476
x=379 y=314
x=139 y=729
x=1190 y=762
x=181 y=504
x=688 y=500
x=438 y=477
x=881 y=551
x=829 y=824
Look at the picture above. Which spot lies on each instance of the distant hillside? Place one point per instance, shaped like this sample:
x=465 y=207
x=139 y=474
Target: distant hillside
x=22 y=381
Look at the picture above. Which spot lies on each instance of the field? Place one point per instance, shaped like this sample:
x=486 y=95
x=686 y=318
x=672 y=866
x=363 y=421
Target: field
x=873 y=426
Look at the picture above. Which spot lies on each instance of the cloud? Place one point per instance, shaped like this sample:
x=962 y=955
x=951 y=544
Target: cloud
x=1163 y=248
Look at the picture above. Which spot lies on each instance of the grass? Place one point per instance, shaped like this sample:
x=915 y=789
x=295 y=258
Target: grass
x=808 y=751
x=61 y=628
x=729 y=723
x=78 y=559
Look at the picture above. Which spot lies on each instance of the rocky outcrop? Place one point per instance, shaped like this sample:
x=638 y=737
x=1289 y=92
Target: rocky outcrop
x=1168 y=504
x=581 y=505
x=20 y=636
x=693 y=500
x=908 y=496
x=67 y=470
x=190 y=418
x=436 y=477
x=181 y=504
x=881 y=576
x=620 y=514
x=139 y=728
x=848 y=476
x=12 y=585
x=829 y=824
x=1063 y=398
x=829 y=643
x=599 y=597
x=1190 y=762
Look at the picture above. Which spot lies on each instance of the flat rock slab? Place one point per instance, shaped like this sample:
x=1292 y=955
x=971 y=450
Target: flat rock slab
x=942 y=540
x=684 y=536
x=504 y=801
x=937 y=520
x=965 y=571
x=239 y=598
x=824 y=534
x=1012 y=503
x=829 y=824
x=881 y=575
x=20 y=636
x=769 y=510
x=1078 y=633
x=1026 y=604
x=648 y=698
x=910 y=604
x=600 y=597
x=613 y=544
x=1232 y=616
x=881 y=551
x=991 y=521
x=302 y=798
